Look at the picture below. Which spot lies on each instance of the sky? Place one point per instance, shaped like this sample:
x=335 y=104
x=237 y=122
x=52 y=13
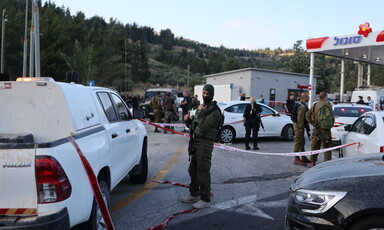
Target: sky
x=241 y=24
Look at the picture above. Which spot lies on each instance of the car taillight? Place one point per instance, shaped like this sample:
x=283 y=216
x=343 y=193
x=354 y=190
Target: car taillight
x=52 y=182
x=382 y=149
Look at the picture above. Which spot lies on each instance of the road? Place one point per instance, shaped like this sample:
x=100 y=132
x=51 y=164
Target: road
x=249 y=190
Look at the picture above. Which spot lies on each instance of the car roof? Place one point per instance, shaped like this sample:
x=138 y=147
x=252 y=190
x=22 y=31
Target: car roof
x=229 y=103
x=378 y=113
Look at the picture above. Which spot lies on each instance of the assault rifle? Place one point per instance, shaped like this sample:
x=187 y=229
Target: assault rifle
x=308 y=129
x=320 y=135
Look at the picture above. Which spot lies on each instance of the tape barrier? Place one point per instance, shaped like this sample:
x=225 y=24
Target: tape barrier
x=171 y=182
x=95 y=186
x=183 y=125
x=165 y=223
x=224 y=146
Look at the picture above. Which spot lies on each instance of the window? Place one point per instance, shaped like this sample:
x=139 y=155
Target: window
x=367 y=126
x=108 y=107
x=239 y=108
x=350 y=111
x=121 y=108
x=357 y=124
x=266 y=110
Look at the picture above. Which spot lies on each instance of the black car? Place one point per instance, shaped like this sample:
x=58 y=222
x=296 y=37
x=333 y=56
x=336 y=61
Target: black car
x=345 y=193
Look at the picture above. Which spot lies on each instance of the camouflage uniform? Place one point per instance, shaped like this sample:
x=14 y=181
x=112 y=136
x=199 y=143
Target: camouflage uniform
x=205 y=128
x=299 y=128
x=195 y=103
x=170 y=110
x=316 y=143
x=155 y=105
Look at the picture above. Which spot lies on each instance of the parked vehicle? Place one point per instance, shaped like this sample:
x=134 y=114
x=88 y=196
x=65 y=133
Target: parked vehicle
x=149 y=94
x=368 y=129
x=346 y=114
x=43 y=179
x=275 y=124
x=376 y=94
x=338 y=194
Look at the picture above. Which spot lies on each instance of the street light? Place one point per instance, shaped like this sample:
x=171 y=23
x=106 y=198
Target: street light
x=3 y=21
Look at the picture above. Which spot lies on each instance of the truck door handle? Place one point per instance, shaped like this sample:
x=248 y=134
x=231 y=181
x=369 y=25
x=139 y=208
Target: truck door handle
x=127 y=130
x=114 y=135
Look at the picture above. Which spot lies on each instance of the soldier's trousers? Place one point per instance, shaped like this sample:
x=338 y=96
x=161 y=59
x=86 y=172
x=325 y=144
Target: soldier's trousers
x=168 y=118
x=299 y=139
x=157 y=115
x=199 y=169
x=316 y=143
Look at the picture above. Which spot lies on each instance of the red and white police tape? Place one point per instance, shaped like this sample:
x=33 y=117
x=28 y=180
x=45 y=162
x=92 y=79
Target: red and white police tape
x=95 y=186
x=224 y=146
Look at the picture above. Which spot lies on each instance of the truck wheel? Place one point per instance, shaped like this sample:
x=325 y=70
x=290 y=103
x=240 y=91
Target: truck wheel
x=227 y=134
x=96 y=221
x=370 y=222
x=143 y=165
x=288 y=133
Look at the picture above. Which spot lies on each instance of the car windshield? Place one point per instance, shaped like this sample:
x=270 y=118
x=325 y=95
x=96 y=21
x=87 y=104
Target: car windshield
x=220 y=104
x=350 y=111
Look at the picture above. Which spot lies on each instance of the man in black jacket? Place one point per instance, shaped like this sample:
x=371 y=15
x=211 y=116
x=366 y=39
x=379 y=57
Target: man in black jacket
x=252 y=123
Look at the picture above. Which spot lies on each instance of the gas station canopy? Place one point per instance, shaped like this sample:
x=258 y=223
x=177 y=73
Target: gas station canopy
x=365 y=46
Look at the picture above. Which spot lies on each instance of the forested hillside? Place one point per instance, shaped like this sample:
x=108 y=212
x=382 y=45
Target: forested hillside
x=120 y=56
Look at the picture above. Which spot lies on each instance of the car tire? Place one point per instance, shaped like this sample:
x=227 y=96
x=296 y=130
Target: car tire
x=288 y=133
x=96 y=220
x=370 y=222
x=227 y=134
x=141 y=177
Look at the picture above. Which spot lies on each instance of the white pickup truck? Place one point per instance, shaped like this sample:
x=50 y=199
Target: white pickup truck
x=43 y=182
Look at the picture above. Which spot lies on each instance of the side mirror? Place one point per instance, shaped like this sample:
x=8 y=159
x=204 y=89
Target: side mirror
x=138 y=114
x=347 y=128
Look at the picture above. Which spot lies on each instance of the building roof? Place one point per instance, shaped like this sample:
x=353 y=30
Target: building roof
x=259 y=70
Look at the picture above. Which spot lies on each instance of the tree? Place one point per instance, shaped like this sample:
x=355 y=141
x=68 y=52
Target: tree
x=299 y=62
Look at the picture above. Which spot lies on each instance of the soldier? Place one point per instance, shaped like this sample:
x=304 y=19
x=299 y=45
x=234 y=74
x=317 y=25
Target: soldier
x=299 y=124
x=155 y=105
x=205 y=127
x=322 y=118
x=195 y=102
x=170 y=110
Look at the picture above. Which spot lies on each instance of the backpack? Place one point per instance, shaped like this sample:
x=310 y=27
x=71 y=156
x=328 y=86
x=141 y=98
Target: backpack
x=294 y=112
x=324 y=117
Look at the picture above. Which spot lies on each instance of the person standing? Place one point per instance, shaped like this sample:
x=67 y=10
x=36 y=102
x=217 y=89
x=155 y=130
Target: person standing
x=299 y=126
x=242 y=97
x=322 y=118
x=185 y=105
x=205 y=127
x=155 y=105
x=170 y=110
x=252 y=123
x=290 y=104
x=370 y=102
x=195 y=102
x=360 y=101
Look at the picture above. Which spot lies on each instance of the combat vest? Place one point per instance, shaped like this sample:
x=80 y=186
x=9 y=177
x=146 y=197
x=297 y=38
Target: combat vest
x=212 y=112
x=168 y=105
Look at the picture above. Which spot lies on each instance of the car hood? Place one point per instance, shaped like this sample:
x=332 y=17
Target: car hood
x=340 y=170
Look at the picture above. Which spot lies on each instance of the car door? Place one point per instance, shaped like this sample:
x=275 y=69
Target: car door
x=233 y=114
x=122 y=134
x=361 y=132
x=270 y=122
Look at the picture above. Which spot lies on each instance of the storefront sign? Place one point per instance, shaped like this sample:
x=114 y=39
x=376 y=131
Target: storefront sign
x=347 y=40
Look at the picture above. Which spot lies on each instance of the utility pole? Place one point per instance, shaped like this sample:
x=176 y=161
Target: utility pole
x=188 y=78
x=37 y=41
x=125 y=64
x=32 y=43
x=25 y=40
x=3 y=20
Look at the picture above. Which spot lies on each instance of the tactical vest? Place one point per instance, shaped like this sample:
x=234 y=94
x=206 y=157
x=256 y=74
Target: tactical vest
x=212 y=132
x=168 y=104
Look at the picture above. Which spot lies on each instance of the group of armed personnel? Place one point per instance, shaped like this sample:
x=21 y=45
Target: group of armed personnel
x=320 y=116
x=167 y=106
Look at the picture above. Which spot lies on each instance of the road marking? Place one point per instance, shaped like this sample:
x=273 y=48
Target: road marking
x=149 y=185
x=248 y=205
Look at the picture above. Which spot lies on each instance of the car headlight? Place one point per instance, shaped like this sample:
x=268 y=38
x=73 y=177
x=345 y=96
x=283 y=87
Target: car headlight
x=317 y=201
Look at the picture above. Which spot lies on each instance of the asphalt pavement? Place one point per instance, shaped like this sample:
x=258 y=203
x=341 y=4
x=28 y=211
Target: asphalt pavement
x=250 y=191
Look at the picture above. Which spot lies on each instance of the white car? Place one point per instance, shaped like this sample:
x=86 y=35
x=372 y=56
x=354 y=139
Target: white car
x=346 y=114
x=275 y=124
x=368 y=129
